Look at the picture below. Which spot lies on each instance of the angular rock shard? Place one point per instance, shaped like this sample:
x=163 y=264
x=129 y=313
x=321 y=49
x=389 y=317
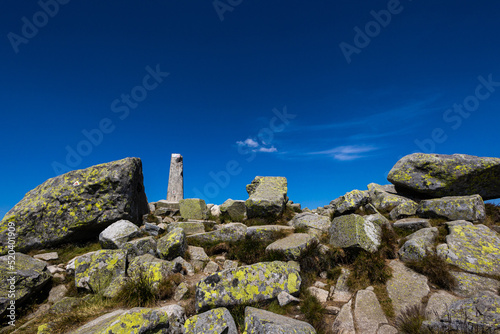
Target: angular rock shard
x=260 y=321
x=267 y=197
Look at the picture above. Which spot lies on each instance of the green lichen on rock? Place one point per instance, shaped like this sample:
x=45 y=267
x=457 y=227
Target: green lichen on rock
x=267 y=197
x=267 y=232
x=226 y=233
x=350 y=202
x=404 y=210
x=314 y=223
x=153 y=268
x=78 y=205
x=260 y=321
x=247 y=284
x=354 y=231
x=193 y=208
x=232 y=210
x=96 y=271
x=439 y=175
x=172 y=245
x=418 y=245
x=384 y=197
x=469 y=208
x=292 y=246
x=215 y=321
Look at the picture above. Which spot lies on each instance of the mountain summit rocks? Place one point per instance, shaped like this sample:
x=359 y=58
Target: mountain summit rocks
x=77 y=204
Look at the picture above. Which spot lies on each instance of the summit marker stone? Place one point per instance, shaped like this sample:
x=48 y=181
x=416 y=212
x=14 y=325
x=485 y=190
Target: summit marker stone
x=176 y=179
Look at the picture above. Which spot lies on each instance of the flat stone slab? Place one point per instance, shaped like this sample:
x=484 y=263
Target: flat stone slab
x=341 y=292
x=268 y=232
x=46 y=256
x=412 y=224
x=292 y=246
x=368 y=314
x=354 y=231
x=344 y=322
x=216 y=321
x=188 y=227
x=226 y=233
x=406 y=287
x=469 y=285
x=313 y=222
x=470 y=208
x=261 y=321
x=438 y=304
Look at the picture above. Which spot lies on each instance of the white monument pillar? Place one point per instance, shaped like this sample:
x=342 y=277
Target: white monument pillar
x=176 y=179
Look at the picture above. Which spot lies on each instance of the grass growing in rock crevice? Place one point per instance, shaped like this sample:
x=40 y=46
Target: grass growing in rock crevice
x=436 y=269
x=313 y=311
x=410 y=320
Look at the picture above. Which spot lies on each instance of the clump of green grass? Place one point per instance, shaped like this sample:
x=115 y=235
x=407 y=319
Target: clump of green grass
x=70 y=251
x=314 y=312
x=410 y=320
x=436 y=269
x=389 y=243
x=139 y=291
x=368 y=269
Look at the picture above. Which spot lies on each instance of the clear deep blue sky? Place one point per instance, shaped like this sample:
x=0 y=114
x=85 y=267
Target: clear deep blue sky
x=317 y=91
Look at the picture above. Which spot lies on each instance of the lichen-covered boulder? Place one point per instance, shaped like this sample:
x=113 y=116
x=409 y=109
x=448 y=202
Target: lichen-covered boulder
x=469 y=208
x=354 y=231
x=439 y=175
x=233 y=210
x=216 y=321
x=20 y=279
x=138 y=247
x=469 y=284
x=439 y=302
x=411 y=224
x=403 y=210
x=474 y=248
x=480 y=314
x=118 y=233
x=151 y=268
x=96 y=271
x=226 y=233
x=198 y=257
x=77 y=205
x=193 y=208
x=418 y=245
x=247 y=284
x=134 y=321
x=260 y=321
x=172 y=245
x=368 y=314
x=190 y=227
x=268 y=232
x=385 y=198
x=316 y=224
x=350 y=202
x=292 y=246
x=267 y=197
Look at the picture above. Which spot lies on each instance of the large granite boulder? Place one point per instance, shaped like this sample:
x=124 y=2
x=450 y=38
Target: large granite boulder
x=138 y=247
x=314 y=223
x=226 y=233
x=233 y=210
x=260 y=321
x=189 y=227
x=21 y=276
x=77 y=205
x=474 y=248
x=247 y=284
x=293 y=246
x=193 y=208
x=172 y=245
x=439 y=175
x=116 y=234
x=469 y=208
x=268 y=232
x=350 y=202
x=151 y=268
x=354 y=231
x=469 y=285
x=267 y=197
x=96 y=271
x=419 y=244
x=368 y=314
x=216 y=321
x=385 y=198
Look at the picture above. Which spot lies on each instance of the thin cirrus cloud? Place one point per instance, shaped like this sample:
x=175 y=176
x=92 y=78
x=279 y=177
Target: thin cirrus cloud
x=346 y=153
x=254 y=146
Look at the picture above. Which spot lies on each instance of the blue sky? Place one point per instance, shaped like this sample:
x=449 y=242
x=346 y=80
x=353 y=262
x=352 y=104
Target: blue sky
x=329 y=94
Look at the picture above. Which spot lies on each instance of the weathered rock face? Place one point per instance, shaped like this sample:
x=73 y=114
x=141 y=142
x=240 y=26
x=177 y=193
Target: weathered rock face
x=354 y=231
x=438 y=175
x=267 y=232
x=233 y=210
x=267 y=197
x=96 y=271
x=259 y=321
x=227 y=232
x=404 y=210
x=315 y=224
x=31 y=276
x=292 y=246
x=344 y=322
x=138 y=247
x=188 y=227
x=247 y=284
x=172 y=245
x=350 y=202
x=469 y=285
x=419 y=244
x=438 y=304
x=215 y=321
x=78 y=205
x=118 y=233
x=469 y=208
x=193 y=208
x=384 y=200
x=368 y=314
x=154 y=269
x=412 y=224
x=474 y=248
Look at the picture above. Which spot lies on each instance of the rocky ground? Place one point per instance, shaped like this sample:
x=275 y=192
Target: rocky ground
x=421 y=255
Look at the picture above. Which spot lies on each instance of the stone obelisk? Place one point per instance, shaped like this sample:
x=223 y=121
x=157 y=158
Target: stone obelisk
x=176 y=179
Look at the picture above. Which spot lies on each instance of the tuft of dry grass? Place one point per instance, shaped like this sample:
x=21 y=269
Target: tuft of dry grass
x=436 y=269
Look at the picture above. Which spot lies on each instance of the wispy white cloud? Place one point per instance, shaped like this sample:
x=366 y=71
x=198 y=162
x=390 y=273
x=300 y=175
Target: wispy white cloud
x=249 y=142
x=268 y=149
x=346 y=153
x=254 y=146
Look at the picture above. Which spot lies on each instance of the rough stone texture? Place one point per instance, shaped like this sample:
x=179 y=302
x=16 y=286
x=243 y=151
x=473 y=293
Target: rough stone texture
x=406 y=287
x=353 y=231
x=115 y=287
x=419 y=244
x=344 y=322
x=65 y=305
x=267 y=232
x=233 y=210
x=260 y=321
x=479 y=314
x=211 y=268
x=320 y=294
x=474 y=248
x=46 y=256
x=135 y=321
x=118 y=233
x=313 y=222
x=404 y=210
x=153 y=229
x=180 y=291
x=154 y=269
x=188 y=227
x=175 y=191
x=469 y=285
x=226 y=232
x=368 y=314
x=183 y=266
x=198 y=257
x=378 y=219
x=172 y=245
x=31 y=276
x=216 y=321
x=267 y=197
x=138 y=247
x=341 y=293
x=469 y=208
x=387 y=329
x=350 y=202
x=193 y=208
x=95 y=272
x=412 y=224
x=384 y=200
x=77 y=205
x=247 y=284
x=284 y=298
x=70 y=267
x=438 y=175
x=292 y=246
x=215 y=211
x=177 y=318
x=57 y=293
x=438 y=304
